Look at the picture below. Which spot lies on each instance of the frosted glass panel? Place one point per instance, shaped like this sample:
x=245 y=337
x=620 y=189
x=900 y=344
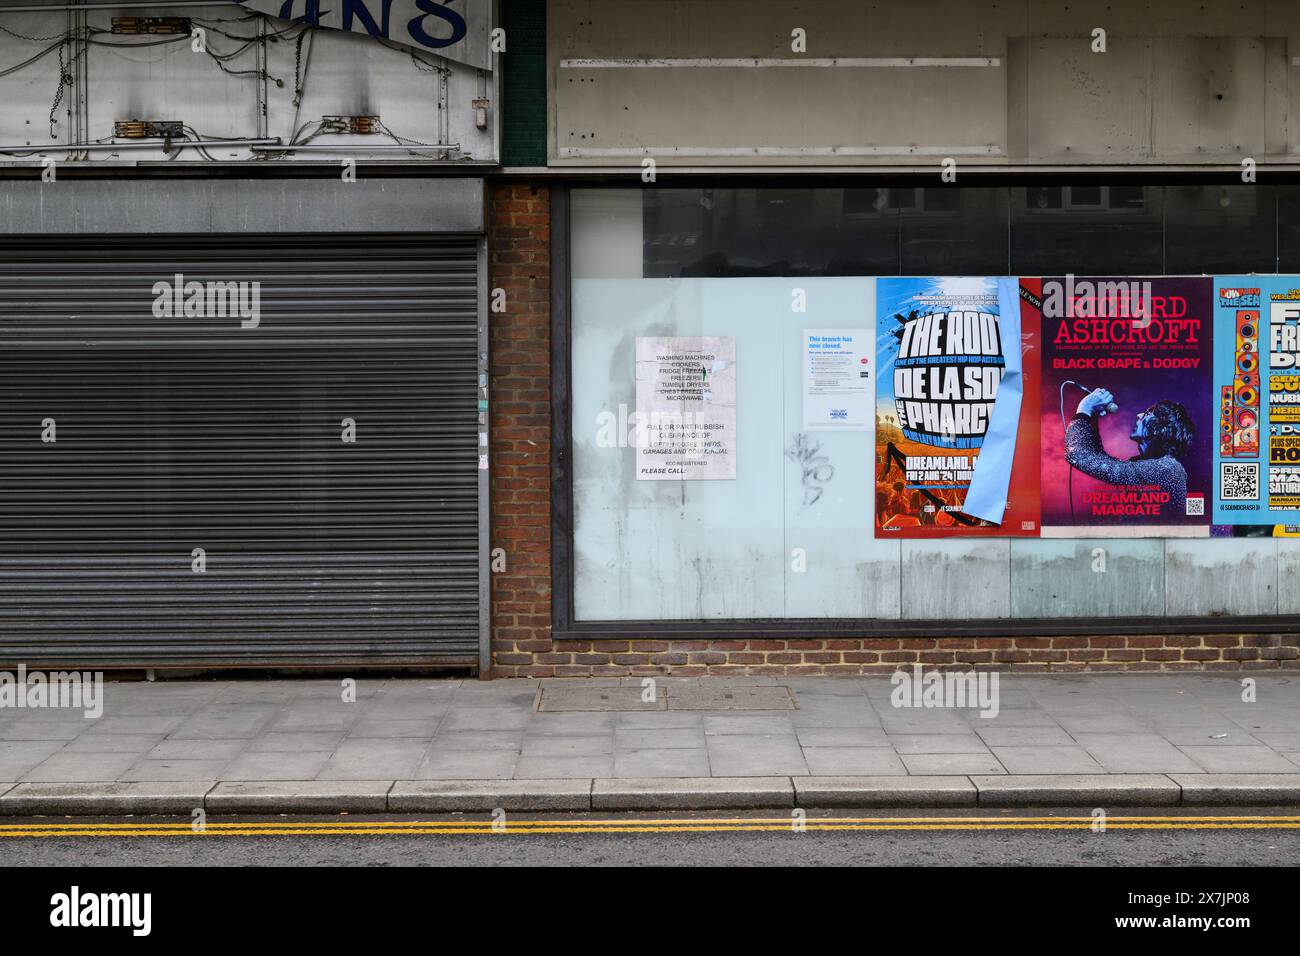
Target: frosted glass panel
x=790 y=535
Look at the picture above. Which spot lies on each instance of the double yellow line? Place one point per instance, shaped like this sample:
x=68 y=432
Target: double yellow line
x=656 y=825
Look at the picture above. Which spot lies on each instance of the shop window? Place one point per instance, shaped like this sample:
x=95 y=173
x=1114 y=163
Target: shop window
x=1288 y=229
x=730 y=284
x=955 y=231
x=1099 y=230
x=718 y=233
x=1223 y=229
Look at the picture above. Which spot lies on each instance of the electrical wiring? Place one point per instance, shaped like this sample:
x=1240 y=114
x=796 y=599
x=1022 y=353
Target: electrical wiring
x=37 y=150
x=24 y=36
x=407 y=141
x=32 y=59
x=427 y=67
x=191 y=134
x=179 y=38
x=65 y=80
x=80 y=39
x=275 y=35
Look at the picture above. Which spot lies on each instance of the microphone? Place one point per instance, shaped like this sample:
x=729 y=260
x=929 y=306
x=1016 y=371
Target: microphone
x=1110 y=408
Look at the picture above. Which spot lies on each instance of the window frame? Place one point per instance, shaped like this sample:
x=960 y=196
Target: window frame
x=564 y=623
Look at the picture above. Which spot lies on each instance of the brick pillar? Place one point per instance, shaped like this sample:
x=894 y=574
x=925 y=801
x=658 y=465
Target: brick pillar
x=519 y=257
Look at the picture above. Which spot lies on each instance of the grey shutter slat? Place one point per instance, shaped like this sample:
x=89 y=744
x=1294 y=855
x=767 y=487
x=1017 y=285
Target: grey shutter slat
x=181 y=433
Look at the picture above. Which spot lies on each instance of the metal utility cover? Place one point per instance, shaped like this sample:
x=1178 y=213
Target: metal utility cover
x=708 y=697
x=575 y=698
x=564 y=698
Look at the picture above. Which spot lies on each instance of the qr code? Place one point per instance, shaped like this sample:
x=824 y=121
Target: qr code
x=1239 y=481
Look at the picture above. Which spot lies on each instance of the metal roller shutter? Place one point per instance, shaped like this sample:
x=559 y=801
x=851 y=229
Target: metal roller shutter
x=176 y=433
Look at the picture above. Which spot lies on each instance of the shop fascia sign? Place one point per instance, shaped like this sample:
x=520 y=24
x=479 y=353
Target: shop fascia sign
x=455 y=29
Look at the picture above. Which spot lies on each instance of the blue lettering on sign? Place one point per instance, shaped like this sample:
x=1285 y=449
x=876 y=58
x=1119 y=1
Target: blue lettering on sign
x=430 y=8
x=363 y=13
x=309 y=15
x=358 y=8
x=840 y=413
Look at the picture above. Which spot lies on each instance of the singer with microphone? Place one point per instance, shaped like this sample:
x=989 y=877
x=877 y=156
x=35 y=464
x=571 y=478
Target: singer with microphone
x=1162 y=434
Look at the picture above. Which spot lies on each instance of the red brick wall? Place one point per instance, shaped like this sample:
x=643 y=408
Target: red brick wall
x=520 y=422
x=519 y=397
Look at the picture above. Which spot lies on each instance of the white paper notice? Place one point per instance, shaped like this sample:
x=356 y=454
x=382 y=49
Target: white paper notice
x=838 y=379
x=686 y=408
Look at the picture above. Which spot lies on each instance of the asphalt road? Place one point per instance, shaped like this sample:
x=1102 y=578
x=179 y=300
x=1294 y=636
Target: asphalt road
x=861 y=838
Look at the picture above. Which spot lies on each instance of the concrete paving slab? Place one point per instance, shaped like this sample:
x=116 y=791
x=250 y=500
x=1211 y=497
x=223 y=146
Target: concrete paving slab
x=731 y=724
x=195 y=749
x=151 y=771
x=301 y=796
x=233 y=720
x=1239 y=789
x=389 y=728
x=1077 y=790
x=477 y=796
x=852 y=761
x=138 y=724
x=925 y=765
x=1103 y=723
x=587 y=723
x=408 y=708
x=366 y=759
x=1072 y=759
x=1136 y=753
x=938 y=744
x=540 y=768
x=298 y=741
x=112 y=743
x=66 y=767
x=479 y=740
x=106 y=799
x=650 y=762
x=756 y=756
x=671 y=738
x=836 y=712
x=994 y=736
x=273 y=765
x=657 y=720
x=484 y=718
x=841 y=737
x=917 y=721
x=568 y=745
x=806 y=688
x=886 y=791
x=1244 y=759
x=19 y=756
x=316 y=717
x=467 y=764
x=1226 y=735
x=30 y=729
x=1011 y=718
x=692 y=793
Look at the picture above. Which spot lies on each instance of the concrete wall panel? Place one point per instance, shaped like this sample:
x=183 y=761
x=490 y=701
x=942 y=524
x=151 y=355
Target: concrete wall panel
x=1216 y=577
x=1104 y=577
x=957 y=579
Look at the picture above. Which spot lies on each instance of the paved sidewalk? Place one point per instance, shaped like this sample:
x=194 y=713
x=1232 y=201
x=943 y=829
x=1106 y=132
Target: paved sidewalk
x=428 y=744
